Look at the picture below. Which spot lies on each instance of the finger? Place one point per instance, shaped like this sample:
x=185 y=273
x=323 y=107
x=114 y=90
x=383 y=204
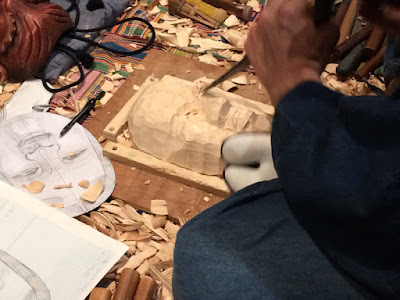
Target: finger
x=239 y=177
x=246 y=148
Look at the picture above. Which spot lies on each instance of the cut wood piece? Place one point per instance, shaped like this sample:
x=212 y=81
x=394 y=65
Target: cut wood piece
x=84 y=183
x=93 y=192
x=348 y=21
x=11 y=87
x=146 y=288
x=235 y=37
x=62 y=186
x=228 y=86
x=209 y=44
x=57 y=205
x=208 y=59
x=232 y=20
x=35 y=187
x=140 y=67
x=107 y=96
x=242 y=80
x=99 y=293
x=127 y=285
x=159 y=221
x=136 y=260
x=107 y=86
x=171 y=228
x=129 y=68
x=182 y=35
x=159 y=207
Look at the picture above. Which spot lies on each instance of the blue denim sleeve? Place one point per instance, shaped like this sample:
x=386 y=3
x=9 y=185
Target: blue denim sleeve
x=338 y=161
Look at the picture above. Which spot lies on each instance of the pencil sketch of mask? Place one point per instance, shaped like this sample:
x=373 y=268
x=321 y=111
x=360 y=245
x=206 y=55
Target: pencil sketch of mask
x=15 y=273
x=31 y=150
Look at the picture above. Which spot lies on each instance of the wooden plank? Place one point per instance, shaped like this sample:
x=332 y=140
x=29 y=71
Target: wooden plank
x=183 y=202
x=137 y=158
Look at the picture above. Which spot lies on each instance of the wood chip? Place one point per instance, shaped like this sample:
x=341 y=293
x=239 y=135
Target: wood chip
x=206 y=198
x=107 y=96
x=101 y=139
x=62 y=186
x=84 y=183
x=93 y=192
x=11 y=87
x=129 y=68
x=117 y=66
x=4 y=98
x=136 y=260
x=228 y=86
x=159 y=207
x=35 y=187
x=140 y=67
x=159 y=221
x=57 y=205
x=136 y=87
x=107 y=86
x=253 y=81
x=242 y=79
x=232 y=20
x=147 y=182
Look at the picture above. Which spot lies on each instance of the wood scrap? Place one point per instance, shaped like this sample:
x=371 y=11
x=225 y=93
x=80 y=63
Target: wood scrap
x=107 y=86
x=242 y=80
x=104 y=100
x=140 y=67
x=231 y=21
x=84 y=183
x=93 y=192
x=35 y=187
x=62 y=186
x=57 y=205
x=159 y=207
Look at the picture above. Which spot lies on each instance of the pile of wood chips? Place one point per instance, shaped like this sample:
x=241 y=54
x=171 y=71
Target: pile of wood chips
x=150 y=238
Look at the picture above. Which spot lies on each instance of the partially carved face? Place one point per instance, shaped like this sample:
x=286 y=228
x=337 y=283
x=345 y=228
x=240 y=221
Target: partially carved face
x=29 y=31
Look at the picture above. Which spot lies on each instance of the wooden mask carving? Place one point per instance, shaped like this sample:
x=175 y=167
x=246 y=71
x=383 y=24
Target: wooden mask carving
x=29 y=32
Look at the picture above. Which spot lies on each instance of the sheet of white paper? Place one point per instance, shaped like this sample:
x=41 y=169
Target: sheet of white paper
x=44 y=254
x=31 y=150
x=30 y=97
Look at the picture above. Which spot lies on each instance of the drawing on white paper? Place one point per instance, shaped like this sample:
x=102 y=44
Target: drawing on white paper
x=31 y=150
x=31 y=286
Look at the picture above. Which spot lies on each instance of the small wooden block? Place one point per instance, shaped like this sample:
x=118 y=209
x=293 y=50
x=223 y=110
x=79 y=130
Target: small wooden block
x=159 y=207
x=100 y=294
x=146 y=288
x=127 y=285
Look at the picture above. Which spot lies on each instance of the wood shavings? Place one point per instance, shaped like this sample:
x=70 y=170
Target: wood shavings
x=208 y=44
x=228 y=86
x=4 y=98
x=136 y=260
x=11 y=87
x=101 y=139
x=255 y=5
x=62 y=186
x=154 y=11
x=232 y=20
x=93 y=192
x=129 y=68
x=253 y=81
x=235 y=37
x=35 y=187
x=116 y=76
x=84 y=183
x=107 y=96
x=163 y=2
x=242 y=79
x=136 y=87
x=182 y=36
x=107 y=86
x=159 y=207
x=140 y=67
x=1 y=89
x=159 y=221
x=208 y=59
x=117 y=66
x=57 y=205
x=207 y=199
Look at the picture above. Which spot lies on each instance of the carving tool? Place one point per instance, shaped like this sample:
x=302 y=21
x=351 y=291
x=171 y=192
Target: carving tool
x=79 y=118
x=127 y=284
x=323 y=10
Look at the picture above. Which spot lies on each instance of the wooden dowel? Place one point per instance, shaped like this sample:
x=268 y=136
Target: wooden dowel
x=341 y=50
x=348 y=21
x=371 y=65
x=340 y=12
x=127 y=284
x=146 y=288
x=351 y=61
x=100 y=294
x=374 y=43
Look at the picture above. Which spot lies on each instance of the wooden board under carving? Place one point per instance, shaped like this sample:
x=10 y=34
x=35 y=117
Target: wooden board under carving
x=182 y=201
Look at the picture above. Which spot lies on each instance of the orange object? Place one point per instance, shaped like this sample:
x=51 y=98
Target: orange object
x=146 y=288
x=100 y=294
x=127 y=284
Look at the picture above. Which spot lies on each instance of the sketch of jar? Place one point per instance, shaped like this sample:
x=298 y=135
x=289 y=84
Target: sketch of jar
x=17 y=281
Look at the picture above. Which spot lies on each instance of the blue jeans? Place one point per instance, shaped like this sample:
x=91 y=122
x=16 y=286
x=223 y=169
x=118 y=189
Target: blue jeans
x=250 y=246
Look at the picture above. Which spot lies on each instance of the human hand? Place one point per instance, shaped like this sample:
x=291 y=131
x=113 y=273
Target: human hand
x=249 y=159
x=383 y=12
x=285 y=47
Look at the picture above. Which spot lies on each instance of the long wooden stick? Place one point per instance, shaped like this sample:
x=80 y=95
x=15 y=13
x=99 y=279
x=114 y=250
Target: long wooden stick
x=348 y=21
x=374 y=43
x=371 y=65
x=341 y=50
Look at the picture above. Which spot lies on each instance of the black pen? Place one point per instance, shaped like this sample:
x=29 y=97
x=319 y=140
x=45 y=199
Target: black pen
x=79 y=118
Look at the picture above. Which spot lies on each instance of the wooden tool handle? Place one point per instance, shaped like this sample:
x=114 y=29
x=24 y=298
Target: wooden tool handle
x=341 y=50
x=351 y=61
x=127 y=284
x=371 y=65
x=146 y=288
x=243 y=12
x=100 y=294
x=374 y=43
x=348 y=21
x=340 y=12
